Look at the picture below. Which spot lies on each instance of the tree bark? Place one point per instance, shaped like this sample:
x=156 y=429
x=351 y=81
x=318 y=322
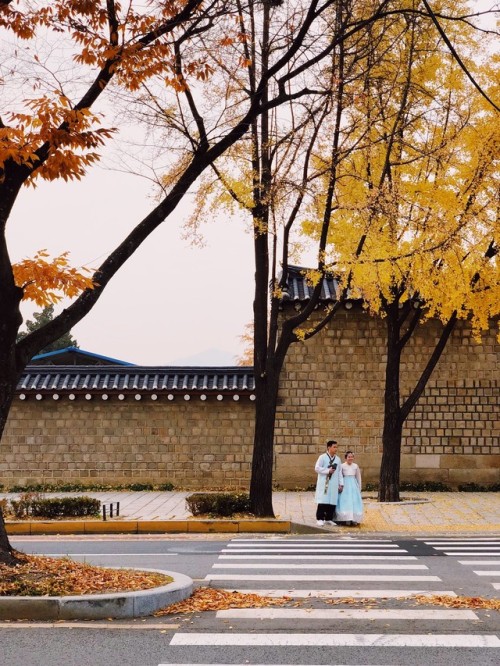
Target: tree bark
x=393 y=424
x=261 y=483
x=10 y=321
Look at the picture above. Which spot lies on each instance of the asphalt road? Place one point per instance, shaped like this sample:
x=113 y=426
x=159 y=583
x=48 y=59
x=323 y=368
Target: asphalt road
x=388 y=629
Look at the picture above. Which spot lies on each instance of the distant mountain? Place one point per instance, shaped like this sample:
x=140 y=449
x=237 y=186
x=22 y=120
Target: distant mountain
x=208 y=357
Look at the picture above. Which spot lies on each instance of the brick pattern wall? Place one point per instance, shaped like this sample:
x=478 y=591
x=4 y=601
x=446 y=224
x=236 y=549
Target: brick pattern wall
x=456 y=417
x=191 y=444
x=332 y=386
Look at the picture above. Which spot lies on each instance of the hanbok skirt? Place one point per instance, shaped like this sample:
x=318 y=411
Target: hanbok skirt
x=350 y=504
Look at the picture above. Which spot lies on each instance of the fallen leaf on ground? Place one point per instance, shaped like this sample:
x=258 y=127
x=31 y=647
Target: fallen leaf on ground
x=476 y=603
x=37 y=576
x=210 y=599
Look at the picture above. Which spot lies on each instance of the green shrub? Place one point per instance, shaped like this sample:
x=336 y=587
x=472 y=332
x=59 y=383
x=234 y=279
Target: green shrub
x=141 y=486
x=425 y=486
x=472 y=487
x=36 y=506
x=81 y=487
x=218 y=504
x=166 y=486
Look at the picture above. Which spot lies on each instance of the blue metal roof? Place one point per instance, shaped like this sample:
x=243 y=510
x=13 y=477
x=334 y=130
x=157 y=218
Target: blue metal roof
x=75 y=356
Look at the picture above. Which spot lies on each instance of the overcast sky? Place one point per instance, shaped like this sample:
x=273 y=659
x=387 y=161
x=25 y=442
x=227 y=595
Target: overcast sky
x=170 y=302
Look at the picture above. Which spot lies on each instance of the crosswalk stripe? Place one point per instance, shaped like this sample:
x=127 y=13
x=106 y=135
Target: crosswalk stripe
x=334 y=640
x=298 y=577
x=344 y=614
x=323 y=551
x=317 y=557
x=478 y=542
x=487 y=573
x=272 y=565
x=471 y=551
x=496 y=586
x=315 y=546
x=336 y=594
x=278 y=539
x=468 y=553
x=481 y=562
x=473 y=548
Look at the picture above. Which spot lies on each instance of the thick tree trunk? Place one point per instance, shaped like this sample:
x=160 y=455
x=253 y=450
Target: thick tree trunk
x=7 y=389
x=391 y=456
x=10 y=320
x=393 y=424
x=261 y=483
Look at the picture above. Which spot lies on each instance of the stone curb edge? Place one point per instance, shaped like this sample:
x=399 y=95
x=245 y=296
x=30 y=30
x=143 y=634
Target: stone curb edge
x=117 y=605
x=147 y=526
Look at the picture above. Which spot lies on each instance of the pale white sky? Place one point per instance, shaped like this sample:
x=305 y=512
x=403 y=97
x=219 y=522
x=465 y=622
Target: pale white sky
x=170 y=301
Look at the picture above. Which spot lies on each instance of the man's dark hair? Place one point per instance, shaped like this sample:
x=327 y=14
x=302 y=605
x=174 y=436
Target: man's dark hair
x=330 y=442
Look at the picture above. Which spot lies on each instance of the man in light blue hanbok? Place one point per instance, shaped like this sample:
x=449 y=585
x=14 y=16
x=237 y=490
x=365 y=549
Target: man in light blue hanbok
x=329 y=483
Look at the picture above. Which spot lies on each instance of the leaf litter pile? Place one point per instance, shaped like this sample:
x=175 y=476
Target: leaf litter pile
x=210 y=599
x=473 y=603
x=36 y=576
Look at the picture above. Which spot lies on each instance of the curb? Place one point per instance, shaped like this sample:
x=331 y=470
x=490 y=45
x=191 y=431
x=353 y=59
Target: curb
x=117 y=605
x=148 y=527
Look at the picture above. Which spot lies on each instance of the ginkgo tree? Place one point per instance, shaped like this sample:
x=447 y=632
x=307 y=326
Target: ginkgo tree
x=51 y=128
x=298 y=160
x=416 y=229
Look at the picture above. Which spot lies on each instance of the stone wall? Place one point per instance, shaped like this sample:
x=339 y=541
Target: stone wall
x=191 y=444
x=332 y=386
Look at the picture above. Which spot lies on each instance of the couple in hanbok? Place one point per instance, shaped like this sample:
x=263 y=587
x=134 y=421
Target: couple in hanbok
x=338 y=488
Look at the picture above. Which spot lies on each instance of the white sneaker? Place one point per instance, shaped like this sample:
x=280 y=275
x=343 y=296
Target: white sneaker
x=329 y=522
x=320 y=522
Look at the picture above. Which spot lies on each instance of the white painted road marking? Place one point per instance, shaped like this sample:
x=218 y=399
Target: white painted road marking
x=303 y=550
x=476 y=562
x=344 y=614
x=356 y=594
x=318 y=557
x=333 y=640
x=272 y=565
x=348 y=577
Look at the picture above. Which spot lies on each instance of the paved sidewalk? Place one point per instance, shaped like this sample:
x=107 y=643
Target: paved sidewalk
x=418 y=513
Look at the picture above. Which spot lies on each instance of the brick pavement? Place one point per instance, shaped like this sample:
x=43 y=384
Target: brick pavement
x=418 y=513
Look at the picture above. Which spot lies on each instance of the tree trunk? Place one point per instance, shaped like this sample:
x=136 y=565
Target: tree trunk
x=261 y=483
x=393 y=424
x=7 y=389
x=10 y=320
x=391 y=456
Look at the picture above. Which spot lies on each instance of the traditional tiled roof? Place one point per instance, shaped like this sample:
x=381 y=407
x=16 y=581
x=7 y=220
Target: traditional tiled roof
x=136 y=381
x=299 y=290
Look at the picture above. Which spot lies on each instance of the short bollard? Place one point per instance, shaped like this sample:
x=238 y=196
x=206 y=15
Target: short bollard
x=111 y=505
